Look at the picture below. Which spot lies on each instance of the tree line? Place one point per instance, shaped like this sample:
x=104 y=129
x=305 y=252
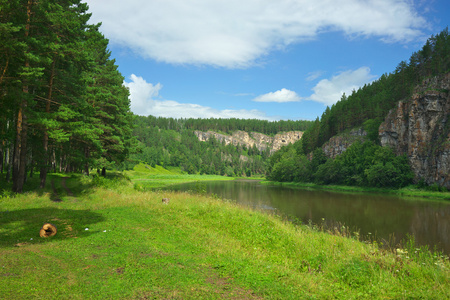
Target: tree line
x=364 y=164
x=63 y=106
x=229 y=125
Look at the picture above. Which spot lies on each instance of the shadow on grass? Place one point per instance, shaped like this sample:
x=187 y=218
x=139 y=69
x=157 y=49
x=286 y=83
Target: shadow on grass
x=57 y=185
x=22 y=226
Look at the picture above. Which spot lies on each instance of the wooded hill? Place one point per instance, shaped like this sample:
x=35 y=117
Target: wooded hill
x=366 y=164
x=63 y=106
x=172 y=143
x=370 y=104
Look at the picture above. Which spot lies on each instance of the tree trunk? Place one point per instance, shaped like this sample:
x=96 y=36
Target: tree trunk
x=86 y=165
x=23 y=151
x=17 y=148
x=104 y=172
x=20 y=151
x=9 y=159
x=44 y=168
x=2 y=156
x=31 y=168
x=20 y=155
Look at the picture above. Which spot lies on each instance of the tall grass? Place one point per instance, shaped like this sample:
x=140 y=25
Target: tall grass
x=114 y=242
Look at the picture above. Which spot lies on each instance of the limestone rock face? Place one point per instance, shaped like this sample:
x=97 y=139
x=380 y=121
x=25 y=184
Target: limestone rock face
x=420 y=128
x=339 y=143
x=261 y=141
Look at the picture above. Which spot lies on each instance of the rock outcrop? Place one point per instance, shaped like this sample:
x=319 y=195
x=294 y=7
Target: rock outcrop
x=261 y=141
x=339 y=143
x=420 y=128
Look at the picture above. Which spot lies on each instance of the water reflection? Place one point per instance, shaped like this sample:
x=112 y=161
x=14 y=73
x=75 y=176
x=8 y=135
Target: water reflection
x=387 y=217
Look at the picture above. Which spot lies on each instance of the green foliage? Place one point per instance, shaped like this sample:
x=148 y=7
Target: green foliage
x=362 y=164
x=62 y=100
x=180 y=147
x=371 y=127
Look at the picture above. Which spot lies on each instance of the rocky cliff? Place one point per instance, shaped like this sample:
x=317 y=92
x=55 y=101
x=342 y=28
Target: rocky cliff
x=261 y=141
x=420 y=128
x=339 y=143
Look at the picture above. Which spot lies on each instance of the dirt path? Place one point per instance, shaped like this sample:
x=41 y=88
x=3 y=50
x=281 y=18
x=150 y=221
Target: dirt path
x=55 y=197
x=68 y=191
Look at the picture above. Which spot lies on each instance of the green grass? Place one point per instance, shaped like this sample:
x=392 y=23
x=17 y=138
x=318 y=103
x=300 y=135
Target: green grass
x=114 y=242
x=146 y=178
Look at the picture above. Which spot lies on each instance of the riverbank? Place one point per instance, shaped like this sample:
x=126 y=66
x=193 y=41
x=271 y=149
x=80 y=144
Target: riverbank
x=409 y=191
x=116 y=242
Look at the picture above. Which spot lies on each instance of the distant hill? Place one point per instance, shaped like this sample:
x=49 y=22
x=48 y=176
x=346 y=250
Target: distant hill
x=234 y=147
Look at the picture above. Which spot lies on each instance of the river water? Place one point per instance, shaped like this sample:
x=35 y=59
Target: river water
x=385 y=217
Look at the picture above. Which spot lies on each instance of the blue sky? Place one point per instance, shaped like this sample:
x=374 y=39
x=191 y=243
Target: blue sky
x=264 y=59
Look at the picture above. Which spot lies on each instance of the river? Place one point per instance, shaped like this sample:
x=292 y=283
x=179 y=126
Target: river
x=385 y=217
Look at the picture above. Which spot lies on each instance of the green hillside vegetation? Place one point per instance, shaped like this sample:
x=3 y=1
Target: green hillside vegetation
x=366 y=163
x=149 y=170
x=171 y=142
x=114 y=242
x=370 y=104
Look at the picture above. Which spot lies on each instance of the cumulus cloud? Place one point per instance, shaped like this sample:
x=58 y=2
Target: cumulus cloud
x=141 y=92
x=280 y=96
x=235 y=33
x=329 y=91
x=143 y=102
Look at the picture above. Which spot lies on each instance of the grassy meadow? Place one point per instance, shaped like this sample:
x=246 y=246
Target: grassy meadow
x=117 y=240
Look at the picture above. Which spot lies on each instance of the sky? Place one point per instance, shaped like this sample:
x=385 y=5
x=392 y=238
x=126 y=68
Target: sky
x=259 y=59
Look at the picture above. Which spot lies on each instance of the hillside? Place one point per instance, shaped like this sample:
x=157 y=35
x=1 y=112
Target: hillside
x=390 y=133
x=261 y=141
x=231 y=147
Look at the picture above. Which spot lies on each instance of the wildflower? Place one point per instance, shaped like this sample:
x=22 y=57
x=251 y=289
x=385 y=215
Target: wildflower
x=401 y=251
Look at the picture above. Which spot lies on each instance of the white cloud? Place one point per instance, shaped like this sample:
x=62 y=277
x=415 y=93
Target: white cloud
x=141 y=92
x=280 y=96
x=314 y=75
x=236 y=33
x=329 y=91
x=142 y=95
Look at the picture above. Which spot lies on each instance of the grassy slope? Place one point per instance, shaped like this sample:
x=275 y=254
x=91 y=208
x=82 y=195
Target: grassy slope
x=146 y=178
x=114 y=242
